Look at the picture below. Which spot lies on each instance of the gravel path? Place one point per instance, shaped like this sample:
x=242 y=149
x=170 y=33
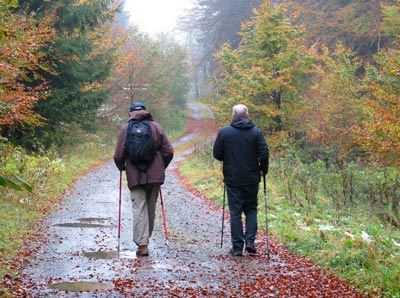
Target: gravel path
x=78 y=258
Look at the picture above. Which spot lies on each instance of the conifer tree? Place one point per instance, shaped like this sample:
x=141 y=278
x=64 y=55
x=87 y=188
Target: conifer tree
x=81 y=65
x=213 y=23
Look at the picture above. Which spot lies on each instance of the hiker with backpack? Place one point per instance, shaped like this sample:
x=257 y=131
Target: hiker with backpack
x=245 y=156
x=144 y=152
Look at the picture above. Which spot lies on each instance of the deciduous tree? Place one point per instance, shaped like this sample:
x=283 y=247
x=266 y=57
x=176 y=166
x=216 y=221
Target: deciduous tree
x=151 y=70
x=332 y=106
x=380 y=133
x=268 y=70
x=355 y=23
x=22 y=64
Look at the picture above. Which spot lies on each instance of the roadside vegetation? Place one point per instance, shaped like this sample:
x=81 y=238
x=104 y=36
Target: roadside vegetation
x=349 y=239
x=49 y=175
x=70 y=71
x=330 y=113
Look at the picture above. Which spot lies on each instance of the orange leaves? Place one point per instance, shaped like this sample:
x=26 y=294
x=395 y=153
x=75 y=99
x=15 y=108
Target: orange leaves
x=380 y=132
x=20 y=61
x=332 y=102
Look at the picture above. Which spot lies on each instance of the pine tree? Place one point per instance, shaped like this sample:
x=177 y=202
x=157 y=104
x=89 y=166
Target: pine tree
x=81 y=65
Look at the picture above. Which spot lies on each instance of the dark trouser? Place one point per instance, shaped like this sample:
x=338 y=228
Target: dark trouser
x=243 y=199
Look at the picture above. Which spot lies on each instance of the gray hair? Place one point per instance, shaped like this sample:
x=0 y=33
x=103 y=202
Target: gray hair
x=240 y=111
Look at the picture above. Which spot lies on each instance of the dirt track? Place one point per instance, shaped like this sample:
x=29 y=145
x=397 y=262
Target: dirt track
x=78 y=258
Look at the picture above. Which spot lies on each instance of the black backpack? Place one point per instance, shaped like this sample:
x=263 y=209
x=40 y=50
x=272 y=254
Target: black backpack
x=140 y=147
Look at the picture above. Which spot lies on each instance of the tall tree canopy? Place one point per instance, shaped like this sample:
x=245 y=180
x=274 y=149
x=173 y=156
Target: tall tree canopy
x=325 y=92
x=215 y=22
x=151 y=70
x=355 y=23
x=267 y=71
x=22 y=63
x=332 y=105
x=81 y=62
x=380 y=133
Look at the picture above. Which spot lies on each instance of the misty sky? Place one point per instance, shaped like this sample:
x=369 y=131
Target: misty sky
x=155 y=16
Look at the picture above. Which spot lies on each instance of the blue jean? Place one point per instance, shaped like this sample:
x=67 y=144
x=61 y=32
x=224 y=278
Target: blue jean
x=243 y=199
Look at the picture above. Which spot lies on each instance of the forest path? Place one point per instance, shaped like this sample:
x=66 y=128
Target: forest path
x=78 y=257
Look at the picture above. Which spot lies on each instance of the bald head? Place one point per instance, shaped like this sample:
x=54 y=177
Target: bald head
x=240 y=112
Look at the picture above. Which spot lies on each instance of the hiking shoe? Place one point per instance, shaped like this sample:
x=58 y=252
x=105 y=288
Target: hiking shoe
x=236 y=253
x=142 y=251
x=251 y=249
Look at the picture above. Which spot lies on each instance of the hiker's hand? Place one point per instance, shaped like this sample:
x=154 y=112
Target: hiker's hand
x=123 y=168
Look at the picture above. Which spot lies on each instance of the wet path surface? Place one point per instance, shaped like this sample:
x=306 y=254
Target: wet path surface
x=78 y=258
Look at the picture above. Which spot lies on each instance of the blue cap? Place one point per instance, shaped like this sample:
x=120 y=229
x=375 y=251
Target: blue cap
x=137 y=106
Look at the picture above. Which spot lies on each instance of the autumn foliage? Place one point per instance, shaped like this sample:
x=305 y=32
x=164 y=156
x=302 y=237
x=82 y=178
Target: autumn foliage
x=22 y=40
x=320 y=103
x=380 y=133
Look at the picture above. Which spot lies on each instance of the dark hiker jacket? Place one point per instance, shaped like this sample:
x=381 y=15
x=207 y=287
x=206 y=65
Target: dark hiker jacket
x=156 y=171
x=244 y=153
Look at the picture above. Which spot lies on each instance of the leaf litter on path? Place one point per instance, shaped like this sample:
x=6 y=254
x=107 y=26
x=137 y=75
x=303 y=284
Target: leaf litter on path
x=192 y=265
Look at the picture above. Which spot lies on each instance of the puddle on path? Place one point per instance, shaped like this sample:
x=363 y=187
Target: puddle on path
x=86 y=222
x=90 y=219
x=81 y=225
x=127 y=254
x=81 y=286
x=105 y=255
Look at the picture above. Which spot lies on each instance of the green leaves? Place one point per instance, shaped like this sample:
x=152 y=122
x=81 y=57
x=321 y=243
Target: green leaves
x=391 y=21
x=9 y=4
x=18 y=185
x=80 y=61
x=267 y=71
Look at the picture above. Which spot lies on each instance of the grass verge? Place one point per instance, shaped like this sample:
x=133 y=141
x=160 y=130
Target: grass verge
x=352 y=243
x=20 y=211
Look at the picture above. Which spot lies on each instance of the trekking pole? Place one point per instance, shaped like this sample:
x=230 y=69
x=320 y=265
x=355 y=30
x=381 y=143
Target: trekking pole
x=266 y=215
x=223 y=215
x=164 y=218
x=119 y=210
